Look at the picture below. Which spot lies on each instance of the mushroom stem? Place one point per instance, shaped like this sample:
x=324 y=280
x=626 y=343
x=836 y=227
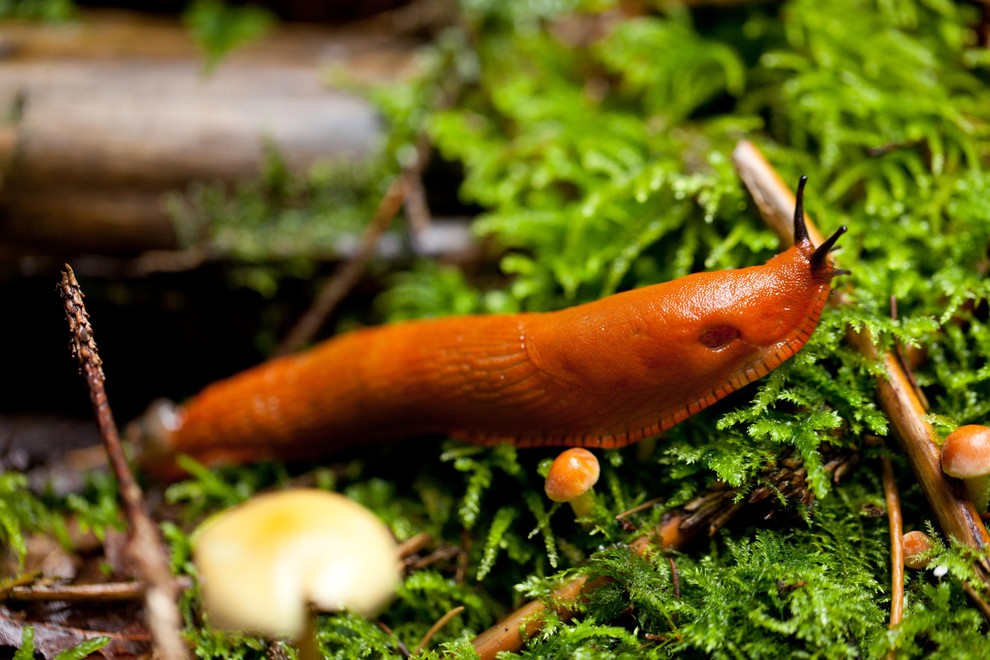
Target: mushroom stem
x=979 y=492
x=307 y=645
x=584 y=505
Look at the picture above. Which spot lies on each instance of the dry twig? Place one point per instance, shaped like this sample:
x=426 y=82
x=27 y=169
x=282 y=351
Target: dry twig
x=437 y=627
x=405 y=190
x=414 y=544
x=99 y=592
x=144 y=543
x=896 y=544
x=349 y=273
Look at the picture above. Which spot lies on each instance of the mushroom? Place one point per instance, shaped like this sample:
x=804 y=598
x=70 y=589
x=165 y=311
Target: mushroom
x=265 y=563
x=916 y=545
x=966 y=455
x=571 y=478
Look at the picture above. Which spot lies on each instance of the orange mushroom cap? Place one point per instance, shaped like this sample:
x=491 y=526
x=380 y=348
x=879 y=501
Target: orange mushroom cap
x=915 y=545
x=573 y=473
x=966 y=452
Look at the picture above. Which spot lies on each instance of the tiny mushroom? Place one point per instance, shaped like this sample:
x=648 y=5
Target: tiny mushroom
x=916 y=544
x=265 y=563
x=966 y=455
x=571 y=478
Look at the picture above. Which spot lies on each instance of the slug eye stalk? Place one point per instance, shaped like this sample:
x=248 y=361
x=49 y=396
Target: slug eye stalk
x=800 y=229
x=821 y=252
x=818 y=257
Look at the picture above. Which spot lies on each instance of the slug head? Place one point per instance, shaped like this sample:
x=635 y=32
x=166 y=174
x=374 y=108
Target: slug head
x=753 y=319
x=643 y=360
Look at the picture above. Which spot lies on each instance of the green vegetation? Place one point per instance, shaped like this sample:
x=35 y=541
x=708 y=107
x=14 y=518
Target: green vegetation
x=281 y=225
x=220 y=28
x=83 y=650
x=37 y=10
x=598 y=146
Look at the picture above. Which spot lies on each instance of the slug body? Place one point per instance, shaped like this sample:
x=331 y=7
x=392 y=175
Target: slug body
x=602 y=374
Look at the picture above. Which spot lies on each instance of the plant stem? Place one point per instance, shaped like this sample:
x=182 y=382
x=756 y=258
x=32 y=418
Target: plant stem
x=144 y=547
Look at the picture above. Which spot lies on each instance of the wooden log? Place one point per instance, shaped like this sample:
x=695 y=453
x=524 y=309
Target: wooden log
x=112 y=112
x=79 y=220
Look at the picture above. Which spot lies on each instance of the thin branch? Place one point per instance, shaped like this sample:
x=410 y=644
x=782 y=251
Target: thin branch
x=896 y=541
x=417 y=211
x=405 y=189
x=414 y=544
x=639 y=507
x=349 y=273
x=437 y=627
x=955 y=514
x=98 y=592
x=510 y=633
x=978 y=599
x=144 y=543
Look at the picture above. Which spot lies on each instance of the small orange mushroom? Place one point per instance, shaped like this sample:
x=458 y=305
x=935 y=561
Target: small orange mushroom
x=916 y=545
x=966 y=456
x=571 y=479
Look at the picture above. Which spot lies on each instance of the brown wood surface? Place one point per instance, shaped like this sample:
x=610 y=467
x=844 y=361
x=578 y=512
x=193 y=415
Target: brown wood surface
x=104 y=115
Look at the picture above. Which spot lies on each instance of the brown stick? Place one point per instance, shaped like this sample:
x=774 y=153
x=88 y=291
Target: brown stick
x=896 y=542
x=955 y=514
x=414 y=544
x=99 y=592
x=144 y=544
x=348 y=274
x=510 y=633
x=407 y=183
x=437 y=627
x=772 y=195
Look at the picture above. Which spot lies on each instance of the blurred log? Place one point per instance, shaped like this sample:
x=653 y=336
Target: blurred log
x=109 y=113
x=81 y=220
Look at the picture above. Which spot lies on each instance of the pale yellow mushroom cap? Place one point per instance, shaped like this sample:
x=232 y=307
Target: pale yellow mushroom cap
x=263 y=563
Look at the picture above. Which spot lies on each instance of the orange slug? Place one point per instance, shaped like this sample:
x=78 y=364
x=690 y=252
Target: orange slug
x=602 y=374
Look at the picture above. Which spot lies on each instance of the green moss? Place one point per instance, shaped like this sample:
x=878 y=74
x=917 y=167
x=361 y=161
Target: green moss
x=21 y=513
x=83 y=650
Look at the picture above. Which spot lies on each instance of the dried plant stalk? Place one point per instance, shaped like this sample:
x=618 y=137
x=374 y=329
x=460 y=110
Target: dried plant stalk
x=144 y=546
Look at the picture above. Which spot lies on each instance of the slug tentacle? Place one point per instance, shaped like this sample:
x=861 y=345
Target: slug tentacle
x=800 y=228
x=604 y=374
x=820 y=254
